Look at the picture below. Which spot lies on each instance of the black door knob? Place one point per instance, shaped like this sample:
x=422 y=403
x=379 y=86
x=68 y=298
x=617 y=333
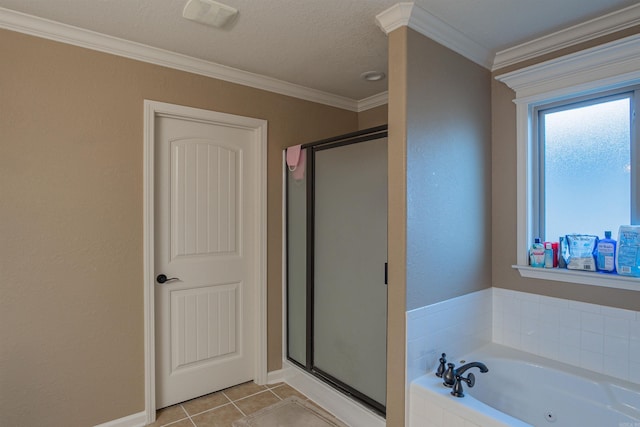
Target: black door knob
x=164 y=279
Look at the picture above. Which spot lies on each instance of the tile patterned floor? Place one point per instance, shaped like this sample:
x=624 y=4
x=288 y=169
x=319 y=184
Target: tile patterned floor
x=222 y=408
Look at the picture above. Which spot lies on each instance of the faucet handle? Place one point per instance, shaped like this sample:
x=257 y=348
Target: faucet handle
x=457 y=387
x=441 y=368
x=449 y=375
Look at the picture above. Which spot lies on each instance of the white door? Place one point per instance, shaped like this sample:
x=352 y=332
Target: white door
x=206 y=237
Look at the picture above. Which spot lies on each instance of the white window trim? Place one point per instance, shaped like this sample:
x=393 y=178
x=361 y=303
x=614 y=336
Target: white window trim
x=609 y=66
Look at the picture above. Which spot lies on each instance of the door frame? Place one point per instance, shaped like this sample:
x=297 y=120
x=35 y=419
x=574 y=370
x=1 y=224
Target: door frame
x=153 y=110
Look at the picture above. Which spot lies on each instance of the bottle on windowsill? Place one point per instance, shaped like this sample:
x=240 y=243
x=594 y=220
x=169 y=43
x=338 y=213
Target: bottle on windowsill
x=606 y=254
x=536 y=254
x=548 y=255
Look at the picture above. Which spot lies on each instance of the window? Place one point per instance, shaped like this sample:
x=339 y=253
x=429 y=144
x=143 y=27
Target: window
x=598 y=75
x=584 y=174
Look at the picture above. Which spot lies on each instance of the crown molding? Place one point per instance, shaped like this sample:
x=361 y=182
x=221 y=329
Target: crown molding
x=373 y=101
x=47 y=29
x=413 y=16
x=589 y=30
x=606 y=66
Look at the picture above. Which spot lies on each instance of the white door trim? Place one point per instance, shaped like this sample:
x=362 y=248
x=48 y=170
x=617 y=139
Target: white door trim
x=153 y=109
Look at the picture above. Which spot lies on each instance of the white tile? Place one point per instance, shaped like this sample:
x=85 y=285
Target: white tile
x=634 y=329
x=497 y=335
x=618 y=312
x=511 y=338
x=569 y=354
x=500 y=291
x=511 y=322
x=417 y=313
x=634 y=372
x=550 y=314
x=530 y=308
x=592 y=322
x=526 y=296
x=558 y=302
x=549 y=332
x=591 y=361
x=416 y=348
x=440 y=320
x=432 y=412
x=454 y=420
x=512 y=306
x=570 y=318
x=583 y=306
x=549 y=349
x=528 y=325
x=616 y=366
x=616 y=327
x=614 y=346
x=569 y=337
x=530 y=343
x=498 y=303
x=634 y=351
x=592 y=342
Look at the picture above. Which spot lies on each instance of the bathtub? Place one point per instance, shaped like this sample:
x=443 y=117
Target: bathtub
x=523 y=390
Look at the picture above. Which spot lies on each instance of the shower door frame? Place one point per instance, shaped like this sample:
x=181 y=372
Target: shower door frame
x=325 y=144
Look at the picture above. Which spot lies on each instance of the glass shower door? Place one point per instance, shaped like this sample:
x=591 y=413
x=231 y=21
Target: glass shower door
x=350 y=252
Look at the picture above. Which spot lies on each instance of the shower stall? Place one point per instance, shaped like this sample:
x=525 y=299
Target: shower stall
x=336 y=243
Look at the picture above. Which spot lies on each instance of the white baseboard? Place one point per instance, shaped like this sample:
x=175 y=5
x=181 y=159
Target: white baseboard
x=342 y=407
x=134 y=420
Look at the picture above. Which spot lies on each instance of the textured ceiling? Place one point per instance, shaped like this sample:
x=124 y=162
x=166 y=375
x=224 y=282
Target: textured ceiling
x=320 y=44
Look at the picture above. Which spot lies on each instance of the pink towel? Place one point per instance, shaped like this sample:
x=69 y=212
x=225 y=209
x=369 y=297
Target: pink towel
x=295 y=161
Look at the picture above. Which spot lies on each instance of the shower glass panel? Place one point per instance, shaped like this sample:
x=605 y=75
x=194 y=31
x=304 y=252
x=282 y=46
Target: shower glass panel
x=336 y=243
x=297 y=268
x=350 y=252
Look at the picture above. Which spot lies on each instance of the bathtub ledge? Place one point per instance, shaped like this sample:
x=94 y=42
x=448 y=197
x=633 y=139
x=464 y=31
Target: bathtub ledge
x=469 y=408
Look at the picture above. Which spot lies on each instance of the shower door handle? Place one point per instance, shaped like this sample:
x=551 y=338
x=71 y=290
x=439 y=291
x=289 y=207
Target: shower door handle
x=386 y=273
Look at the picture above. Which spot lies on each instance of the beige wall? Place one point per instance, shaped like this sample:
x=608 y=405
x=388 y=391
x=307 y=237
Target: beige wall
x=439 y=187
x=397 y=229
x=71 y=294
x=504 y=202
x=373 y=117
x=448 y=174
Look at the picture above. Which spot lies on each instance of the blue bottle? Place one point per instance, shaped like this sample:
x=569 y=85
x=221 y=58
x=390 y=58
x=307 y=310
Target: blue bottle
x=606 y=254
x=536 y=254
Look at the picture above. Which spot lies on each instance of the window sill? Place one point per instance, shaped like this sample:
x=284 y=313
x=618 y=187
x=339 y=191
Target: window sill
x=581 y=277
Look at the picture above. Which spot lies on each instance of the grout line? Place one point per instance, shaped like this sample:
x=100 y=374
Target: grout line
x=188 y=416
x=210 y=409
x=272 y=392
x=236 y=406
x=245 y=397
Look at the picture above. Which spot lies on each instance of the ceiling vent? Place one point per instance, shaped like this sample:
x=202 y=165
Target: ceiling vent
x=209 y=12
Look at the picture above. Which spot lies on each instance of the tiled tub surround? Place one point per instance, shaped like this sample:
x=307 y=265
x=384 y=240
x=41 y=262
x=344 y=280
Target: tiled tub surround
x=456 y=327
x=602 y=339
x=594 y=337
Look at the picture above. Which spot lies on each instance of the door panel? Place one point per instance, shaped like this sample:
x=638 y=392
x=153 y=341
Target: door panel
x=203 y=324
x=350 y=252
x=206 y=229
x=205 y=177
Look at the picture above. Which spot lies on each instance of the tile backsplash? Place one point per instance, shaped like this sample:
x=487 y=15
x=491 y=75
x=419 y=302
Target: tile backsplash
x=595 y=337
x=455 y=326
